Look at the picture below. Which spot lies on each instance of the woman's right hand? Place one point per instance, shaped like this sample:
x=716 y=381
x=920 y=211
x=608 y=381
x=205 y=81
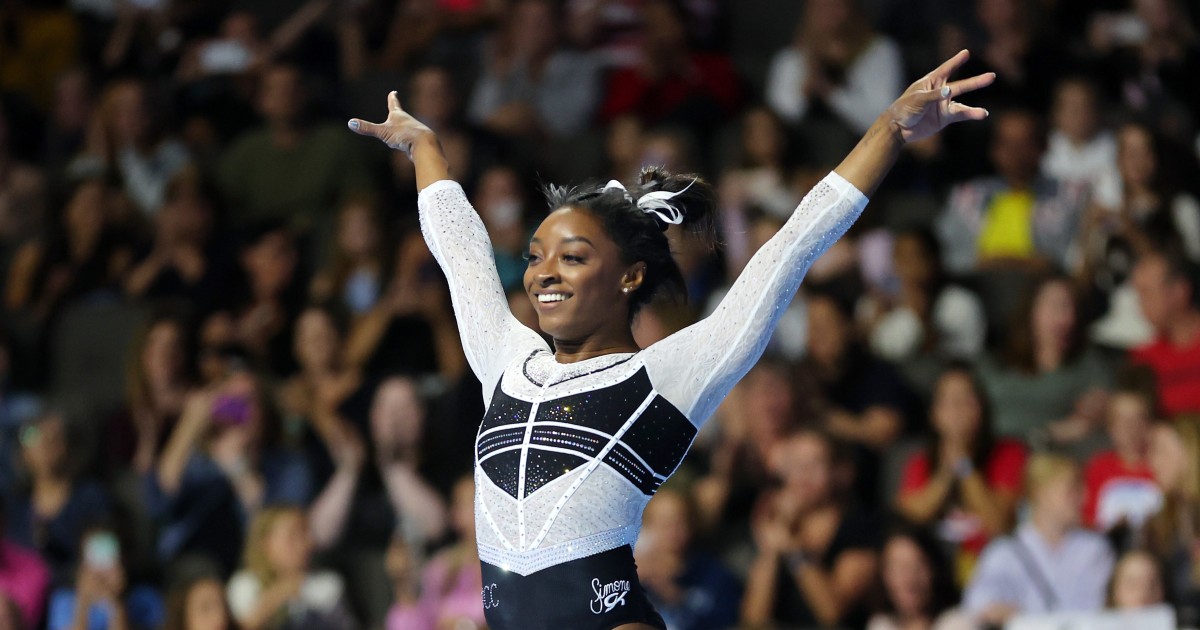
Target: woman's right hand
x=400 y=131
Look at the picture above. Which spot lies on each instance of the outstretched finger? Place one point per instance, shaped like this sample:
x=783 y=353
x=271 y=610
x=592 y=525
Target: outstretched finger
x=948 y=67
x=970 y=85
x=959 y=112
x=363 y=128
x=394 y=102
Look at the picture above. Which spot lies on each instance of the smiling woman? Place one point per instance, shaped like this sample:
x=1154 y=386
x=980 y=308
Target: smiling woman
x=578 y=437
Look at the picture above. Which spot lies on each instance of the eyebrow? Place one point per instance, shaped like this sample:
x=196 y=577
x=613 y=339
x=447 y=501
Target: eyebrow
x=569 y=239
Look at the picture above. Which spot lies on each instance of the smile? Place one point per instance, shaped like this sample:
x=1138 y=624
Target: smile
x=546 y=298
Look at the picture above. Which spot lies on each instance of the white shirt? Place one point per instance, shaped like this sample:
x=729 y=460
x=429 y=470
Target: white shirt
x=322 y=591
x=872 y=82
x=1094 y=163
x=1076 y=571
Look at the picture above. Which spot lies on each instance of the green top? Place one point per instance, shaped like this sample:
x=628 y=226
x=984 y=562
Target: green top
x=1023 y=402
x=303 y=184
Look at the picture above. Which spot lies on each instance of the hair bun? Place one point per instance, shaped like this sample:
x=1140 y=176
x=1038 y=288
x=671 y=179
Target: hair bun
x=696 y=202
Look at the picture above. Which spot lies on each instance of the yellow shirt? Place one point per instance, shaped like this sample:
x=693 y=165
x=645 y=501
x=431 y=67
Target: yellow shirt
x=1008 y=227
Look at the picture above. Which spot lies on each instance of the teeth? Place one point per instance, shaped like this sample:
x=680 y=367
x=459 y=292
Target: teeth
x=551 y=297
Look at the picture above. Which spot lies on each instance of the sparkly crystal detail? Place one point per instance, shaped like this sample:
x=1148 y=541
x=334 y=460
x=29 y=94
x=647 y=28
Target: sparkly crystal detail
x=569 y=454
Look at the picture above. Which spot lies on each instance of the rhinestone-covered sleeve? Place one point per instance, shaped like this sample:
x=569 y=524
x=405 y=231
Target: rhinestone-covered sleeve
x=696 y=367
x=491 y=336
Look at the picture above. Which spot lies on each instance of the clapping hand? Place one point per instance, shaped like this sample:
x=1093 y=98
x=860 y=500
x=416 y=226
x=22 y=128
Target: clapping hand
x=928 y=105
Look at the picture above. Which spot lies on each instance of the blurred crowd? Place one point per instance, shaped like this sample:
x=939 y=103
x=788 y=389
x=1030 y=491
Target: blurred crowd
x=231 y=387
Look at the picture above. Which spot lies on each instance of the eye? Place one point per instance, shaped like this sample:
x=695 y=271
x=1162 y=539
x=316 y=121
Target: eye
x=530 y=258
x=572 y=258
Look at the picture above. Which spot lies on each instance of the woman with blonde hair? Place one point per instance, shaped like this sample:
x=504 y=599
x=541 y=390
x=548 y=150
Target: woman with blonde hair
x=1172 y=533
x=276 y=587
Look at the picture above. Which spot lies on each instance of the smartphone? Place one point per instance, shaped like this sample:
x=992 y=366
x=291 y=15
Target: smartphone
x=102 y=550
x=231 y=409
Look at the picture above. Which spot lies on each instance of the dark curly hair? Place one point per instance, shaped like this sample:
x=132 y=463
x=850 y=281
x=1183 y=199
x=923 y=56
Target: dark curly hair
x=641 y=236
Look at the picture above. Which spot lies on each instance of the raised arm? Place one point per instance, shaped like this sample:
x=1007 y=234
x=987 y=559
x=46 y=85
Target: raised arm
x=722 y=347
x=491 y=336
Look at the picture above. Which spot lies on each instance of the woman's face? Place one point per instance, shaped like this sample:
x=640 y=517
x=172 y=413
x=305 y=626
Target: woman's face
x=1168 y=458
x=1053 y=315
x=162 y=358
x=45 y=446
x=575 y=277
x=912 y=263
x=358 y=236
x=769 y=403
x=805 y=465
x=1137 y=582
x=1129 y=423
x=828 y=331
x=204 y=608
x=762 y=138
x=957 y=411
x=1060 y=498
x=666 y=518
x=86 y=212
x=1135 y=156
x=287 y=544
x=316 y=342
x=396 y=415
x=907 y=576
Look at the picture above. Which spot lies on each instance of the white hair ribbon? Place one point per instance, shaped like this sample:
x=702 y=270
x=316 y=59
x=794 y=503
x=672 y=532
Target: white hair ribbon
x=656 y=202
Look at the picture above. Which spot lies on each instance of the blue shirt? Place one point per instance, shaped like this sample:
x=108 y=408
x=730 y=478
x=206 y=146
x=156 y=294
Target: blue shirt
x=144 y=608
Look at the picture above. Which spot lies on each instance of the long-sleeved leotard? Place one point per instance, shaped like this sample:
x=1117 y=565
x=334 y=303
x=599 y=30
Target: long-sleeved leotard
x=568 y=455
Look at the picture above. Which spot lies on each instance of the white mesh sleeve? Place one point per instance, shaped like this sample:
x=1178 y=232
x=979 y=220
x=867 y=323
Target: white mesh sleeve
x=696 y=367
x=491 y=336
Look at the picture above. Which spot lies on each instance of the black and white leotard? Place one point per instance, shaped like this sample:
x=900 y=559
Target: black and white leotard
x=568 y=455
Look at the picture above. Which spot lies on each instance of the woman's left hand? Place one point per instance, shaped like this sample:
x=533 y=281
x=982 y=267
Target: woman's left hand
x=927 y=106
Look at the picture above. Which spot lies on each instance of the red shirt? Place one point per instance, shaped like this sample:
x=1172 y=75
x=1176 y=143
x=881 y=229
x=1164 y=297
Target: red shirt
x=1178 y=373
x=1116 y=490
x=1003 y=472
x=711 y=78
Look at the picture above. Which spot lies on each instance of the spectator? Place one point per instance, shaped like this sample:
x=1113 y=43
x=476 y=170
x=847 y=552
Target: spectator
x=916 y=586
x=184 y=260
x=324 y=381
x=1015 y=219
x=1079 y=149
x=128 y=134
x=157 y=381
x=276 y=587
x=1146 y=209
x=451 y=581
x=258 y=172
x=965 y=480
x=198 y=604
x=24 y=578
x=671 y=83
x=82 y=254
x=1172 y=533
x=101 y=597
x=502 y=203
x=816 y=553
x=50 y=512
x=759 y=413
x=1150 y=71
x=397 y=419
x=927 y=315
x=689 y=588
x=759 y=178
x=1050 y=564
x=1121 y=489
x=271 y=298
x=530 y=85
x=1168 y=288
x=1046 y=381
x=221 y=465
x=358 y=267
x=839 y=61
x=1137 y=582
x=857 y=398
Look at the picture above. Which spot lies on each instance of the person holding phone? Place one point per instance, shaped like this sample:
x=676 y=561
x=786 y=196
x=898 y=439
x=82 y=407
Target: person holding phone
x=222 y=463
x=101 y=597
